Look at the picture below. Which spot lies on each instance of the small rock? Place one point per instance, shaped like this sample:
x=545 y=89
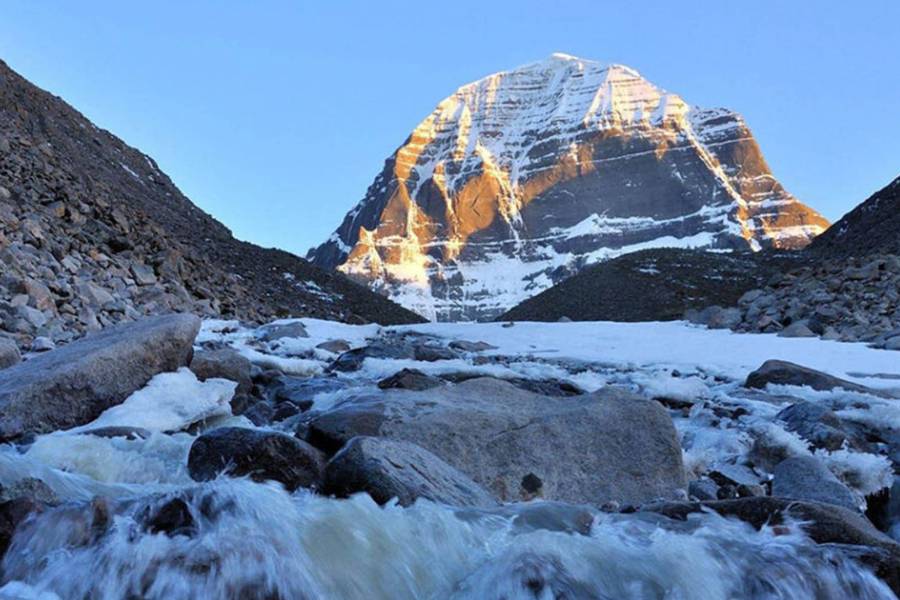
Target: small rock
x=277 y=331
x=143 y=274
x=260 y=414
x=172 y=518
x=464 y=346
x=349 y=361
x=12 y=514
x=703 y=489
x=410 y=379
x=795 y=330
x=42 y=344
x=750 y=491
x=815 y=423
x=114 y=431
x=429 y=353
x=334 y=346
x=224 y=363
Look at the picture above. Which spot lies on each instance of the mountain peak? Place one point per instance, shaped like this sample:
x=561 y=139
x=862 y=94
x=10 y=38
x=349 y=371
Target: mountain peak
x=523 y=177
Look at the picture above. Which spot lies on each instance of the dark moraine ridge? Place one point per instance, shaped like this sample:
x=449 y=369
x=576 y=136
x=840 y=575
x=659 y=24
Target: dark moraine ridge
x=652 y=285
x=873 y=227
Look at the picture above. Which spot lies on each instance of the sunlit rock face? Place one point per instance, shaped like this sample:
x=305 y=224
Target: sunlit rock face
x=521 y=178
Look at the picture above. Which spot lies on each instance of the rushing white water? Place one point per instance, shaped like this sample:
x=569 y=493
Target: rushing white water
x=254 y=540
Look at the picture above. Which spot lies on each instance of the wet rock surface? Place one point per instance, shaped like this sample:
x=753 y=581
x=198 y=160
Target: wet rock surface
x=260 y=455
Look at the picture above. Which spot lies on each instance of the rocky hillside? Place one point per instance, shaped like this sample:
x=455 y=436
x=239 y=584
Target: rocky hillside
x=845 y=286
x=651 y=285
x=873 y=227
x=92 y=233
x=846 y=299
x=522 y=178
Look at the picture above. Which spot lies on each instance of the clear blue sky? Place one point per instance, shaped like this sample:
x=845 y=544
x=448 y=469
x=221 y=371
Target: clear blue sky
x=275 y=116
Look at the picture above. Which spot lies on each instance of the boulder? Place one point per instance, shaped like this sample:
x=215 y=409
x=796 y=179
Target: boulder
x=609 y=445
x=782 y=372
x=410 y=379
x=224 y=363
x=806 y=478
x=388 y=469
x=261 y=455
x=9 y=353
x=72 y=385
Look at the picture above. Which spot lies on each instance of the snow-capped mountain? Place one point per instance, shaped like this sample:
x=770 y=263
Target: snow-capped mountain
x=521 y=178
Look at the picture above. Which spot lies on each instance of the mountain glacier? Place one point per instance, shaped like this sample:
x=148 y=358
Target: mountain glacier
x=520 y=179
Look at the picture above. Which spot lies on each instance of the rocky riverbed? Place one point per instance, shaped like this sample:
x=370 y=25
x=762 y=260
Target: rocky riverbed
x=170 y=458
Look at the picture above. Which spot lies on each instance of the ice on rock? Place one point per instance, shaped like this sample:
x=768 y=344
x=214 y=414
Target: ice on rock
x=169 y=402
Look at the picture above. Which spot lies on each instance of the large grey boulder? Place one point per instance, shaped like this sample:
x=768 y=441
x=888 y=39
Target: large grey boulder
x=388 y=469
x=9 y=353
x=782 y=372
x=610 y=445
x=72 y=385
x=261 y=455
x=806 y=478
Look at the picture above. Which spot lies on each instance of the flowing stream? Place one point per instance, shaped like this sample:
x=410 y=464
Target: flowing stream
x=251 y=540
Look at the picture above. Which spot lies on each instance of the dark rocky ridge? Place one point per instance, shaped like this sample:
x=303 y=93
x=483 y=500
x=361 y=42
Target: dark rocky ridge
x=873 y=227
x=652 y=285
x=93 y=233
